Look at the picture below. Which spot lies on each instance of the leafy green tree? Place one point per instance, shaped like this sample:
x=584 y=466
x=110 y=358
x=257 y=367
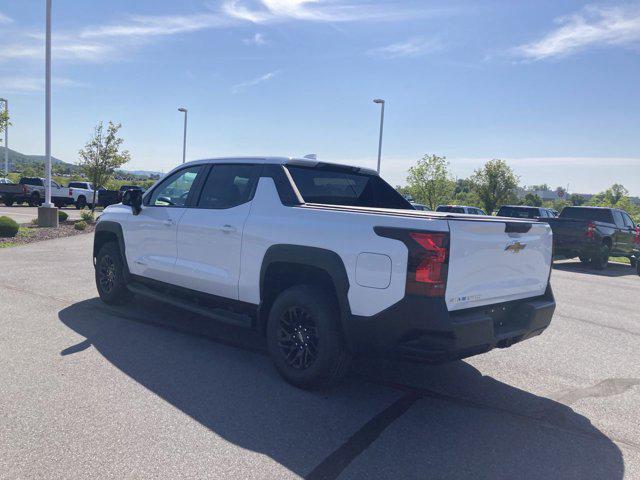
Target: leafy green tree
x=429 y=181
x=494 y=184
x=532 y=200
x=577 y=200
x=101 y=156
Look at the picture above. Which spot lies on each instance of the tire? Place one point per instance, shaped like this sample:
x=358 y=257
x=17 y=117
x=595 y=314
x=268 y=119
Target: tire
x=633 y=261
x=601 y=259
x=638 y=267
x=304 y=319
x=585 y=260
x=81 y=202
x=34 y=200
x=110 y=282
x=8 y=203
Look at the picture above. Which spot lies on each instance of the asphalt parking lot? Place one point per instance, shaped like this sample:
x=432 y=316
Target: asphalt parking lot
x=147 y=391
x=24 y=214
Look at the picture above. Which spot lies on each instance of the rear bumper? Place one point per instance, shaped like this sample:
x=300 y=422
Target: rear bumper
x=421 y=329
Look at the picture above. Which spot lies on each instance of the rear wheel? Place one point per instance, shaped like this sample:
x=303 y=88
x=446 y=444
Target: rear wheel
x=8 y=202
x=34 y=200
x=110 y=282
x=81 y=203
x=304 y=339
x=601 y=259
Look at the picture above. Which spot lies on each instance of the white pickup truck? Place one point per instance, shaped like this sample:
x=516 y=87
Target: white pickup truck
x=82 y=194
x=328 y=261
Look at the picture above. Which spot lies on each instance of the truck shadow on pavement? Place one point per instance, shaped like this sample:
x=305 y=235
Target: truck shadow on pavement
x=457 y=423
x=612 y=270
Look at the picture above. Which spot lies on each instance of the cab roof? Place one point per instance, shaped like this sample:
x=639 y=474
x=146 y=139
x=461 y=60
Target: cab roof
x=303 y=162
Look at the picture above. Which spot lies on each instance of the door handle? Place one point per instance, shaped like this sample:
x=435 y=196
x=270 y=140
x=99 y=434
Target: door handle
x=229 y=229
x=168 y=223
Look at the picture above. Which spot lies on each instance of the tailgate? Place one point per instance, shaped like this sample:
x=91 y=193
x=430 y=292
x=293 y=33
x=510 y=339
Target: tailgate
x=568 y=232
x=490 y=263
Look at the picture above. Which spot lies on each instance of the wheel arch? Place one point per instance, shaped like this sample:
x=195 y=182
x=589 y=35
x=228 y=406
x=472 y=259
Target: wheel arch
x=107 y=231
x=284 y=266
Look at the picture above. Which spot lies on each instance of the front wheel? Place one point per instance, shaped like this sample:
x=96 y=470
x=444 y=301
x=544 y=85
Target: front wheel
x=304 y=339
x=601 y=259
x=110 y=282
x=8 y=202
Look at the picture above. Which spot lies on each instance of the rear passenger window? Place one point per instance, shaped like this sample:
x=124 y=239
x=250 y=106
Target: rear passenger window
x=228 y=186
x=617 y=216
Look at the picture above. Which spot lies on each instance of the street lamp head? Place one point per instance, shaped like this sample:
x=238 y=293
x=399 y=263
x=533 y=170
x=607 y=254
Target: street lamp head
x=182 y=109
x=378 y=100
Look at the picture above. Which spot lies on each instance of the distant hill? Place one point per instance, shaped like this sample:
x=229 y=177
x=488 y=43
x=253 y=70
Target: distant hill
x=34 y=165
x=19 y=161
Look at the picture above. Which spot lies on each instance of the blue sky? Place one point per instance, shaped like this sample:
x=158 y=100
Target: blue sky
x=550 y=86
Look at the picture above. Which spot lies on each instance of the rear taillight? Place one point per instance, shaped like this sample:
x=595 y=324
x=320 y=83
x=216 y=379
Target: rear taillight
x=637 y=238
x=428 y=260
x=71 y=192
x=591 y=230
x=24 y=189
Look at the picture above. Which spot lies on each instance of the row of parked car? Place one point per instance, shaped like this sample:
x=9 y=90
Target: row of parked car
x=592 y=234
x=30 y=190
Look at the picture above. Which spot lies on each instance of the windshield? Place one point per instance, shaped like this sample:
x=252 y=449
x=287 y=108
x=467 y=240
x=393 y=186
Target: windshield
x=518 y=212
x=343 y=186
x=596 y=214
x=450 y=209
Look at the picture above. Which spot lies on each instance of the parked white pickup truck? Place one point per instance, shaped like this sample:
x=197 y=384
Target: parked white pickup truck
x=328 y=261
x=82 y=194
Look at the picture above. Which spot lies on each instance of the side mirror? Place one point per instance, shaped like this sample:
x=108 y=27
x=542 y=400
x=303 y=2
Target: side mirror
x=133 y=199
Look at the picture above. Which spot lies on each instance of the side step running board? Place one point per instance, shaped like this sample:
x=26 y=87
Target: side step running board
x=217 y=314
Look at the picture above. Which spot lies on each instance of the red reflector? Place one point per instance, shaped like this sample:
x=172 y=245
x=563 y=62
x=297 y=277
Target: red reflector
x=637 y=239
x=591 y=230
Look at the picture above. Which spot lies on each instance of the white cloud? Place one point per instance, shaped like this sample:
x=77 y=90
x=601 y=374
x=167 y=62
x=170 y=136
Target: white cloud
x=593 y=26
x=5 y=19
x=258 y=40
x=150 y=26
x=412 y=48
x=256 y=81
x=22 y=84
x=262 y=11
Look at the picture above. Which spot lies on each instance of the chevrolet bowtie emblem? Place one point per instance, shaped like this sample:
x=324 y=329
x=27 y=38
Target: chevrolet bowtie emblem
x=515 y=247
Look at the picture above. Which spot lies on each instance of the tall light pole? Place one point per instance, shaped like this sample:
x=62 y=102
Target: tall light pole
x=382 y=103
x=47 y=142
x=6 y=137
x=47 y=214
x=184 y=136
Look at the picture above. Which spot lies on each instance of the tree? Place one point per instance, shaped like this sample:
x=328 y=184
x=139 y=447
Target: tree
x=532 y=200
x=616 y=193
x=429 y=181
x=577 y=200
x=494 y=184
x=101 y=156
